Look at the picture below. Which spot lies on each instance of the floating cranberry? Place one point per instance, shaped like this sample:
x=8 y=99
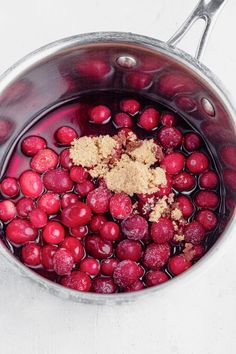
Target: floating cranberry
x=170 y=137
x=98 y=200
x=138 y=80
x=31 y=254
x=65 y=135
x=155 y=277
x=134 y=227
x=100 y=114
x=97 y=247
x=183 y=181
x=168 y=119
x=65 y=159
x=69 y=199
x=103 y=286
x=149 y=119
x=63 y=261
x=185 y=205
x=53 y=232
x=138 y=285
x=173 y=163
x=47 y=253
x=32 y=144
x=20 y=231
x=44 y=160
x=192 y=142
x=78 y=214
x=127 y=136
x=93 y=68
x=194 y=232
x=120 y=206
x=208 y=179
x=164 y=189
x=90 y=266
x=84 y=188
x=78 y=174
x=31 y=184
x=126 y=273
x=129 y=249
x=108 y=266
x=77 y=280
x=197 y=162
x=38 y=218
x=79 y=231
x=156 y=256
x=179 y=264
x=97 y=222
x=9 y=187
x=24 y=206
x=49 y=202
x=57 y=181
x=123 y=120
x=206 y=200
x=198 y=251
x=162 y=231
x=207 y=218
x=130 y=106
x=7 y=210
x=75 y=247
x=110 y=231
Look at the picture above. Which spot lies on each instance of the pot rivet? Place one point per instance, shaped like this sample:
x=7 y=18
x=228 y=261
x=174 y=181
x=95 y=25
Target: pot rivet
x=126 y=61
x=208 y=107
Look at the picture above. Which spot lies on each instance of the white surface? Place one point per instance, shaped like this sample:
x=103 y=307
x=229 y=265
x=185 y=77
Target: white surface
x=197 y=317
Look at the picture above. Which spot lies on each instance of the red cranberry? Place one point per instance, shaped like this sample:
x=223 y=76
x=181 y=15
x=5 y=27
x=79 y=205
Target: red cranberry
x=63 y=261
x=126 y=273
x=127 y=135
x=98 y=200
x=77 y=281
x=78 y=174
x=90 y=266
x=138 y=80
x=123 y=120
x=170 y=84
x=93 y=68
x=65 y=135
x=134 y=227
x=197 y=162
x=185 y=205
x=178 y=264
x=208 y=179
x=20 y=231
x=130 y=106
x=155 y=277
x=108 y=266
x=53 y=232
x=84 y=188
x=97 y=247
x=100 y=114
x=110 y=231
x=65 y=159
x=228 y=155
x=173 y=163
x=104 y=286
x=198 y=251
x=38 y=218
x=183 y=182
x=47 y=253
x=9 y=187
x=129 y=249
x=78 y=214
x=57 y=181
x=31 y=254
x=138 y=285
x=170 y=137
x=156 y=256
x=32 y=144
x=120 y=206
x=79 y=231
x=44 y=160
x=164 y=189
x=69 y=199
x=75 y=247
x=168 y=119
x=49 y=202
x=207 y=218
x=24 y=206
x=97 y=222
x=206 y=199
x=194 y=232
x=149 y=119
x=31 y=184
x=192 y=141
x=7 y=210
x=162 y=230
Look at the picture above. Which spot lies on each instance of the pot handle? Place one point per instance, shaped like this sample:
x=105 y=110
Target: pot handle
x=206 y=10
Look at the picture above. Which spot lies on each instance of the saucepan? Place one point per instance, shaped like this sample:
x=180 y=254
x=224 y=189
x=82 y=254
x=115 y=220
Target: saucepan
x=125 y=62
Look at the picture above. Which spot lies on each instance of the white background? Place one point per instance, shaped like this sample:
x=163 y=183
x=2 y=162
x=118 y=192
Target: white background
x=193 y=317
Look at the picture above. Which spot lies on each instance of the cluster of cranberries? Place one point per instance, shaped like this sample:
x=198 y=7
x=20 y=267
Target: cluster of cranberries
x=64 y=223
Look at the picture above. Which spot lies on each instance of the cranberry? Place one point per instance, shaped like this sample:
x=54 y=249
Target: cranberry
x=108 y=266
x=228 y=155
x=162 y=230
x=7 y=210
x=47 y=253
x=77 y=281
x=93 y=68
x=78 y=214
x=120 y=206
x=31 y=254
x=104 y=285
x=207 y=218
x=149 y=119
x=31 y=184
x=168 y=119
x=123 y=120
x=192 y=142
x=197 y=162
x=9 y=187
x=20 y=231
x=130 y=106
x=97 y=247
x=185 y=205
x=138 y=80
x=127 y=136
x=24 y=206
x=173 y=163
x=155 y=277
x=78 y=174
x=65 y=135
x=178 y=264
x=32 y=144
x=134 y=227
x=49 y=202
x=170 y=137
x=84 y=188
x=164 y=189
x=156 y=256
x=110 y=231
x=44 y=160
x=194 y=232
x=75 y=247
x=184 y=182
x=230 y=179
x=65 y=159
x=69 y=199
x=53 y=232
x=186 y=103
x=208 y=179
x=126 y=273
x=97 y=222
x=90 y=266
x=129 y=249
x=57 y=181
x=170 y=84
x=63 y=261
x=79 y=231
x=6 y=128
x=198 y=251
x=98 y=200
x=100 y=114
x=206 y=199
x=138 y=285
x=38 y=218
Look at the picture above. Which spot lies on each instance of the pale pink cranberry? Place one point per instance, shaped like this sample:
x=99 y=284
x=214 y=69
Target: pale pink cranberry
x=149 y=119
x=6 y=128
x=77 y=280
x=162 y=231
x=178 y=264
x=75 y=247
x=138 y=80
x=208 y=179
x=173 y=163
x=168 y=119
x=47 y=253
x=57 y=181
x=120 y=206
x=78 y=214
x=65 y=159
x=164 y=189
x=78 y=174
x=32 y=144
x=100 y=114
x=228 y=155
x=192 y=142
x=130 y=106
x=98 y=200
x=90 y=266
x=97 y=247
x=24 y=206
x=129 y=249
x=197 y=162
x=194 y=232
x=84 y=188
x=170 y=137
x=170 y=84
x=10 y=187
x=183 y=181
x=93 y=68
x=110 y=231
x=97 y=222
x=186 y=103
x=44 y=160
x=134 y=227
x=104 y=285
x=69 y=199
x=65 y=135
x=126 y=273
x=20 y=231
x=156 y=256
x=122 y=120
x=206 y=200
x=108 y=266
x=63 y=261
x=185 y=205
x=53 y=233
x=38 y=218
x=50 y=203
x=155 y=277
x=31 y=184
x=31 y=254
x=230 y=179
x=7 y=210
x=207 y=218
x=138 y=285
x=79 y=231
